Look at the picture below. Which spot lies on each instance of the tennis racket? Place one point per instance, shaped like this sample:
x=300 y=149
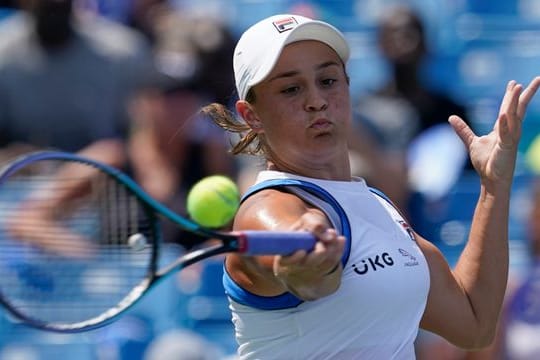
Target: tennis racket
x=80 y=241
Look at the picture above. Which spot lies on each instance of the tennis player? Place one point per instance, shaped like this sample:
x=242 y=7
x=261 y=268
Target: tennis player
x=371 y=281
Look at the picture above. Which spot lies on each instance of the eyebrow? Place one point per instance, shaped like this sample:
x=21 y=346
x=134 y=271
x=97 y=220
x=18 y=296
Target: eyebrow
x=291 y=73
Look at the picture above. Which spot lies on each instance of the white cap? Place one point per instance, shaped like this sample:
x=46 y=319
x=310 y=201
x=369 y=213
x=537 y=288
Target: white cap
x=260 y=46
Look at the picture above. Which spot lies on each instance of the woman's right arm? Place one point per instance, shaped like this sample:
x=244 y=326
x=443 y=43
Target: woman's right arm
x=307 y=275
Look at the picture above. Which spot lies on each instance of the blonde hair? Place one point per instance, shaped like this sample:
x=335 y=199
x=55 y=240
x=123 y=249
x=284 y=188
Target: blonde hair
x=250 y=142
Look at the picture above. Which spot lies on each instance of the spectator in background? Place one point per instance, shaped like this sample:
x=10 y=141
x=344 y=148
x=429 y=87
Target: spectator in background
x=172 y=146
x=390 y=118
x=66 y=80
x=137 y=14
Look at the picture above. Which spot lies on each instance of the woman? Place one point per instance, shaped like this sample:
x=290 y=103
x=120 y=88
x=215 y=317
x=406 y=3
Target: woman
x=370 y=281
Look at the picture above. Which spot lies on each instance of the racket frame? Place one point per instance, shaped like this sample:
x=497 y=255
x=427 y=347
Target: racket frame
x=230 y=242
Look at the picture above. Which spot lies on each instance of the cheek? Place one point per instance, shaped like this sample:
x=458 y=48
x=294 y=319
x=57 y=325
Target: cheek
x=340 y=104
x=281 y=117
x=282 y=124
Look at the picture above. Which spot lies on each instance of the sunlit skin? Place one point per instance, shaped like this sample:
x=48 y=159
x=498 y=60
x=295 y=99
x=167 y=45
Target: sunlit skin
x=303 y=110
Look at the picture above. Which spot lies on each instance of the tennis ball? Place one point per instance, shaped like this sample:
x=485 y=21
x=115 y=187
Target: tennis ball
x=213 y=201
x=532 y=155
x=137 y=241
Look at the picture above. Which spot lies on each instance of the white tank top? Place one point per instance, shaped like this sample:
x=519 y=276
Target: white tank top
x=375 y=313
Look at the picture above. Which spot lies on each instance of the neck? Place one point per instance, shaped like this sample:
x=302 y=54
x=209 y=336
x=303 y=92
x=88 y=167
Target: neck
x=339 y=171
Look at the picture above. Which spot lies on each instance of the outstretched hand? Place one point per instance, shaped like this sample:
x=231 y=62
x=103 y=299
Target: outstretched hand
x=494 y=155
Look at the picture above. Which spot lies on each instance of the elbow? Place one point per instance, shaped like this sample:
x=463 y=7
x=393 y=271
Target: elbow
x=479 y=340
x=487 y=339
x=481 y=344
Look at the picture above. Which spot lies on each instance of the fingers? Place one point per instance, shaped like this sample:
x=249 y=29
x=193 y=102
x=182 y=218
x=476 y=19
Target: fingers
x=327 y=251
x=507 y=98
x=509 y=120
x=516 y=100
x=511 y=112
x=513 y=109
x=464 y=132
x=527 y=95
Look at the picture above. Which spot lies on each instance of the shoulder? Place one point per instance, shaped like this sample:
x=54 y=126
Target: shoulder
x=272 y=207
x=271 y=201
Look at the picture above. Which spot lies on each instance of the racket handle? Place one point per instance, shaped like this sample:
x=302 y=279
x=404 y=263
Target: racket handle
x=275 y=243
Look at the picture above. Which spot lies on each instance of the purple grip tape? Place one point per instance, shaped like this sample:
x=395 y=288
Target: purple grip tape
x=274 y=242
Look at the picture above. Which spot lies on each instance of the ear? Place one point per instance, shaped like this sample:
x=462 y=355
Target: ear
x=249 y=115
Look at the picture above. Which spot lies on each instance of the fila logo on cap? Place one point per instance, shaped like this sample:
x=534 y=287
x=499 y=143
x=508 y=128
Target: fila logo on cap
x=285 y=24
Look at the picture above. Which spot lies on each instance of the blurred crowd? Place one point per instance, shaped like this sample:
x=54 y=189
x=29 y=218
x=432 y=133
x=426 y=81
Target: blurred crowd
x=122 y=82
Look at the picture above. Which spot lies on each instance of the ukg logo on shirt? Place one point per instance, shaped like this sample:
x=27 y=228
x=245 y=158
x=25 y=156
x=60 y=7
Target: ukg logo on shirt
x=373 y=263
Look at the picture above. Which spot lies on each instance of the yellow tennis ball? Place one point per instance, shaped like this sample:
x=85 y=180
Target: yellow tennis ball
x=532 y=155
x=213 y=201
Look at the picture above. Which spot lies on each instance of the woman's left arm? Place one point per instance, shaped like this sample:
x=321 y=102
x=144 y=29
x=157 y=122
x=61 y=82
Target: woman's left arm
x=464 y=303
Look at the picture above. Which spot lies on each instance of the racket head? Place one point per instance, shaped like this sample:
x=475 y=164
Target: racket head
x=85 y=265
x=72 y=265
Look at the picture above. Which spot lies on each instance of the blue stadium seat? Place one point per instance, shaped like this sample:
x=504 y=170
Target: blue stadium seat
x=157 y=312
x=18 y=341
x=446 y=222
x=207 y=308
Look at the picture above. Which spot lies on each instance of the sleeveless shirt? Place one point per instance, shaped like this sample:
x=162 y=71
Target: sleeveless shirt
x=376 y=311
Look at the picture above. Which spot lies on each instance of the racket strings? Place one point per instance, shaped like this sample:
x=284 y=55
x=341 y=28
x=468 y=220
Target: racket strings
x=65 y=250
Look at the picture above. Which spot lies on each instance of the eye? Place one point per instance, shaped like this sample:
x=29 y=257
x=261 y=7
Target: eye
x=290 y=90
x=328 y=82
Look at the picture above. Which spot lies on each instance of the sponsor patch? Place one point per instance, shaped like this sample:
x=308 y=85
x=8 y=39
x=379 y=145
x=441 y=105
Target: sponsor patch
x=412 y=259
x=407 y=229
x=285 y=24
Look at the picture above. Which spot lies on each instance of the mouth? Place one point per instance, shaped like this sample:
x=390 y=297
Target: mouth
x=321 y=124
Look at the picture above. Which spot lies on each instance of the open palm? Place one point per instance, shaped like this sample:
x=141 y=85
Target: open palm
x=494 y=155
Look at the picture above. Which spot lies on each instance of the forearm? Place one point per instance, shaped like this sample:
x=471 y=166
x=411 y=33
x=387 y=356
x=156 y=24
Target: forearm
x=482 y=269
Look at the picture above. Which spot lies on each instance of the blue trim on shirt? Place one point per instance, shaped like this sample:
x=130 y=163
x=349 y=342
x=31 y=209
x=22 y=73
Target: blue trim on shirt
x=381 y=194
x=242 y=296
x=286 y=300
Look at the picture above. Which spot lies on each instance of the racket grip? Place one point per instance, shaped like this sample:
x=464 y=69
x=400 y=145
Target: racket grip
x=274 y=242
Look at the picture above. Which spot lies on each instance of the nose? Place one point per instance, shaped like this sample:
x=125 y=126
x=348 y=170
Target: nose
x=315 y=101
